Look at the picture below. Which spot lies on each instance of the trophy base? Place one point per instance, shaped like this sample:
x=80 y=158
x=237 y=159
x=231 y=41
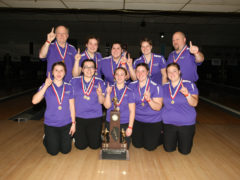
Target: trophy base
x=117 y=154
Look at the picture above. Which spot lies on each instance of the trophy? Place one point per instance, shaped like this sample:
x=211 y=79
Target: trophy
x=116 y=147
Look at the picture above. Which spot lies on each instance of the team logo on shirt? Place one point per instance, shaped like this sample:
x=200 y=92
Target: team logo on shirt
x=67 y=92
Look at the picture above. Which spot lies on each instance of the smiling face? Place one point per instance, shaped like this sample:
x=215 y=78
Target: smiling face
x=58 y=72
x=88 y=69
x=92 y=45
x=141 y=73
x=120 y=76
x=173 y=73
x=146 y=48
x=116 y=51
x=178 y=41
x=61 y=34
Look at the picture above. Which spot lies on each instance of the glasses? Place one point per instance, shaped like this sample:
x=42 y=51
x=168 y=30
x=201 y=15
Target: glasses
x=91 y=67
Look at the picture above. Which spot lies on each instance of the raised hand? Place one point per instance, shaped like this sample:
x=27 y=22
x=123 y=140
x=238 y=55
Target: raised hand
x=108 y=89
x=78 y=55
x=129 y=60
x=193 y=49
x=51 y=36
x=184 y=90
x=124 y=59
x=99 y=90
x=48 y=81
x=147 y=95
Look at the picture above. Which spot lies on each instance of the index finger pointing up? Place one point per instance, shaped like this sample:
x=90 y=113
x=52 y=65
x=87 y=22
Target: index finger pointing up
x=129 y=56
x=52 y=30
x=49 y=76
x=190 y=43
x=78 y=51
x=182 y=85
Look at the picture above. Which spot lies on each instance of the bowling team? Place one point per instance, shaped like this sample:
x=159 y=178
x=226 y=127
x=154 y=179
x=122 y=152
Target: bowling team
x=156 y=98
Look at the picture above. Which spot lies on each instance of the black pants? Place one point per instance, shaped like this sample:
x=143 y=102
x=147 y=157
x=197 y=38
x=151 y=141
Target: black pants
x=181 y=136
x=57 y=139
x=88 y=133
x=122 y=126
x=146 y=135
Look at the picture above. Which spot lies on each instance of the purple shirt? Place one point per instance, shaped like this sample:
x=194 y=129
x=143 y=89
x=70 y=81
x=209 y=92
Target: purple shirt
x=145 y=113
x=87 y=108
x=107 y=68
x=180 y=113
x=124 y=108
x=158 y=63
x=54 y=56
x=97 y=58
x=53 y=116
x=187 y=64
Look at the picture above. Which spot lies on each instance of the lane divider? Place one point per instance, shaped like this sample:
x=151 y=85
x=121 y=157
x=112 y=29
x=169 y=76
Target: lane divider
x=17 y=94
x=233 y=111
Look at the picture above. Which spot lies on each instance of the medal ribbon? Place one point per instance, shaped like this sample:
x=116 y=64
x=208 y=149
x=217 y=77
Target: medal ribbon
x=115 y=94
x=87 y=90
x=58 y=99
x=176 y=91
x=59 y=51
x=89 y=57
x=118 y=64
x=146 y=87
x=151 y=63
x=179 y=55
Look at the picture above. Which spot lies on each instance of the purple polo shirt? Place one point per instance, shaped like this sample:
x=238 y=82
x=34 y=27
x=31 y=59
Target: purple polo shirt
x=124 y=108
x=180 y=113
x=187 y=64
x=91 y=108
x=53 y=116
x=54 y=56
x=158 y=63
x=145 y=113
x=107 y=68
x=97 y=58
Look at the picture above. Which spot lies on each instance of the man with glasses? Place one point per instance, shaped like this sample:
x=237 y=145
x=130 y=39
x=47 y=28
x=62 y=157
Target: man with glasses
x=58 y=50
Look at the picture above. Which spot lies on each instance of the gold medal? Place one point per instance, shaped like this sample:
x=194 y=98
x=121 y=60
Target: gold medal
x=142 y=104
x=86 y=97
x=59 y=107
x=118 y=108
x=96 y=73
x=63 y=60
x=172 y=102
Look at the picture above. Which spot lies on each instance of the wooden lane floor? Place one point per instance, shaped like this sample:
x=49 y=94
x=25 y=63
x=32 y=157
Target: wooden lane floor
x=215 y=155
x=14 y=106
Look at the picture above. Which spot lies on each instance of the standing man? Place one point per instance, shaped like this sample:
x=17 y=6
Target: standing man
x=59 y=50
x=187 y=57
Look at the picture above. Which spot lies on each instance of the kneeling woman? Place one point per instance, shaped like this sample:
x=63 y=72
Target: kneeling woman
x=88 y=99
x=59 y=118
x=148 y=98
x=179 y=115
x=126 y=102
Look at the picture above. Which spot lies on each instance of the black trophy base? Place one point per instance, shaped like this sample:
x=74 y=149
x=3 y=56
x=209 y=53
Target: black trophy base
x=116 y=154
